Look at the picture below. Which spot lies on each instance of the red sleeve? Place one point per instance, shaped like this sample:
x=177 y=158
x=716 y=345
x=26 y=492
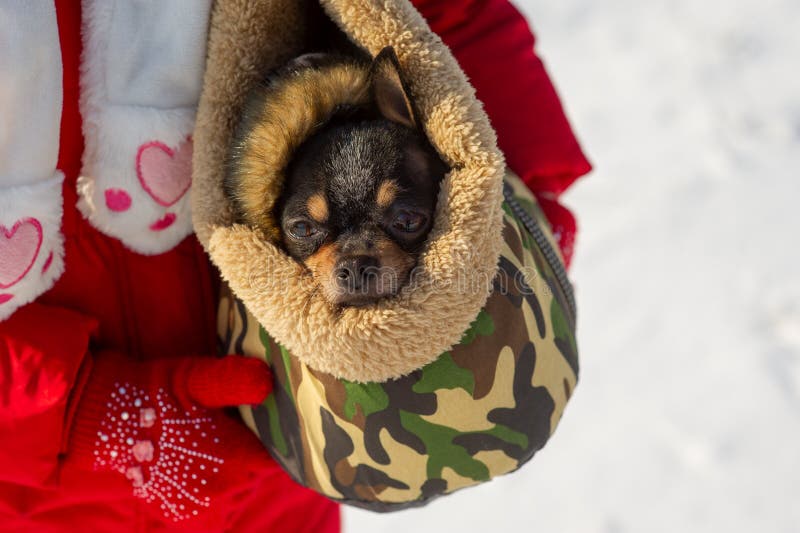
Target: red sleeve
x=42 y=351
x=494 y=45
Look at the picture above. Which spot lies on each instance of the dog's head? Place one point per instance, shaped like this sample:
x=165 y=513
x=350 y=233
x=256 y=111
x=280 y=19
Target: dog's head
x=360 y=194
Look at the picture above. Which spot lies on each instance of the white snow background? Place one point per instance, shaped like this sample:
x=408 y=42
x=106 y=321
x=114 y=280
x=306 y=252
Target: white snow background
x=687 y=414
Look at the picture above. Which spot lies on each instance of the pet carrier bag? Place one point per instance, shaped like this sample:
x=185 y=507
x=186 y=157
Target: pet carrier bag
x=464 y=374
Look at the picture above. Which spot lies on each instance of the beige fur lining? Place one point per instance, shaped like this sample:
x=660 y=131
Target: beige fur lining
x=397 y=335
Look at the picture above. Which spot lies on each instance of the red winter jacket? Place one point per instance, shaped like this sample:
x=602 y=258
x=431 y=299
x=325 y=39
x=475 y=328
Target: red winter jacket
x=115 y=315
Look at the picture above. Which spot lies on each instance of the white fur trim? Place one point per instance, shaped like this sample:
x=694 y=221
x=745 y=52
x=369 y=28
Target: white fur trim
x=30 y=92
x=141 y=76
x=19 y=207
x=31 y=97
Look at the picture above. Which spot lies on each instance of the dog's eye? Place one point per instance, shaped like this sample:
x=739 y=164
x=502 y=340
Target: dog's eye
x=302 y=230
x=408 y=222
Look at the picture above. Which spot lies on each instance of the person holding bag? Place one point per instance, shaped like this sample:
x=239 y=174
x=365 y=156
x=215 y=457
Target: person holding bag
x=111 y=397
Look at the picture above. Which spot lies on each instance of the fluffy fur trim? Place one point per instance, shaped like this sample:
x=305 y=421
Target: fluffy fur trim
x=31 y=243
x=31 y=79
x=138 y=92
x=288 y=113
x=398 y=335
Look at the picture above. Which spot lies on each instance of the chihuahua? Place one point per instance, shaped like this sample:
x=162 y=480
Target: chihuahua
x=359 y=194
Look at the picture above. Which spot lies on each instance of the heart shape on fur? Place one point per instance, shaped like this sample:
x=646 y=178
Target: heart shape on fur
x=165 y=174
x=19 y=248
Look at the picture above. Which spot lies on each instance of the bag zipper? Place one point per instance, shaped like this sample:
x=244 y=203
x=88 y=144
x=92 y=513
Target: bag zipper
x=533 y=227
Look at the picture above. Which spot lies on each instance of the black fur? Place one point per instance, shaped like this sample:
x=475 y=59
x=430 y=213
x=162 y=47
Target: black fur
x=347 y=161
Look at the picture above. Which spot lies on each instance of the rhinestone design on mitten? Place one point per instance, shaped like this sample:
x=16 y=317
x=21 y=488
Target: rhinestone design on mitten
x=159 y=447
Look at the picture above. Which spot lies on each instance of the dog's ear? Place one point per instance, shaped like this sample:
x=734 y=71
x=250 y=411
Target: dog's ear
x=391 y=91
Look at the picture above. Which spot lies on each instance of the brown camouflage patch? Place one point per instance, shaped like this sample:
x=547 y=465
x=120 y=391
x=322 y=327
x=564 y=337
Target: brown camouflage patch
x=336 y=396
x=480 y=357
x=512 y=240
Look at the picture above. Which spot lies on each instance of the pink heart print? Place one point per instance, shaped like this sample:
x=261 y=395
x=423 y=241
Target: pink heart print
x=19 y=247
x=164 y=173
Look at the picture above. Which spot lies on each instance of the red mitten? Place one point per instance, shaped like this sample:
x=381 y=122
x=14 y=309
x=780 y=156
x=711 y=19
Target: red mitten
x=42 y=350
x=150 y=422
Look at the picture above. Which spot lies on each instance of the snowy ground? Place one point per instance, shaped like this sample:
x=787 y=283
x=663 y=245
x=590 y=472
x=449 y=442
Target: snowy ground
x=687 y=417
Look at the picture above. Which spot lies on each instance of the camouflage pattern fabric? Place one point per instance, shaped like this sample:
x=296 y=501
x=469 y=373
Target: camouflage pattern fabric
x=482 y=409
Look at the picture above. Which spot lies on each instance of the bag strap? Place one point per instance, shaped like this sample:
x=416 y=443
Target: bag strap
x=534 y=228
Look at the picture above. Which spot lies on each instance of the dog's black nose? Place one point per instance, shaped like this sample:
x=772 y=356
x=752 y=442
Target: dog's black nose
x=353 y=273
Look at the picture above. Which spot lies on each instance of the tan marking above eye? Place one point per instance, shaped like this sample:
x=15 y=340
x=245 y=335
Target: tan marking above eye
x=317 y=207
x=387 y=192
